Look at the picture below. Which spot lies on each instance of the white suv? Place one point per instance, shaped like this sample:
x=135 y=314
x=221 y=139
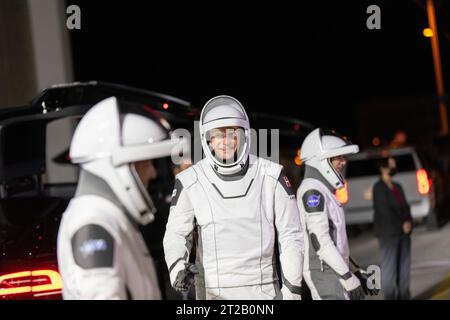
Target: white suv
x=362 y=173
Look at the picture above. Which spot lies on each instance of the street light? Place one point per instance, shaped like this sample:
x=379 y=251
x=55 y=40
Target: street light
x=432 y=33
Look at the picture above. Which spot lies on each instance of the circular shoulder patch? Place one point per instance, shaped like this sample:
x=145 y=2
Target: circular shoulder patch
x=313 y=201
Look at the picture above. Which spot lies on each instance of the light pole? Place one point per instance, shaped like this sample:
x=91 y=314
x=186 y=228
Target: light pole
x=437 y=67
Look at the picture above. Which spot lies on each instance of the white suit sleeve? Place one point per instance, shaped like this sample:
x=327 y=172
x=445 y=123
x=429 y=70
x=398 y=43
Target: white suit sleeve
x=290 y=235
x=178 y=239
x=97 y=273
x=317 y=224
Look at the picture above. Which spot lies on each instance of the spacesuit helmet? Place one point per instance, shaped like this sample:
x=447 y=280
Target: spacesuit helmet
x=223 y=119
x=110 y=138
x=319 y=147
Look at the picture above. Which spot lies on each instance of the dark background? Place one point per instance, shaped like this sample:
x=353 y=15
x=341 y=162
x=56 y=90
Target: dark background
x=316 y=61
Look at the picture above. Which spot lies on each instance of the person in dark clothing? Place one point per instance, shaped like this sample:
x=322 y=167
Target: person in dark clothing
x=393 y=227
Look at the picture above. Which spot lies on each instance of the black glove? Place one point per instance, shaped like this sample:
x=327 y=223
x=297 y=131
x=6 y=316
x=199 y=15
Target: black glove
x=357 y=293
x=185 y=277
x=363 y=277
x=352 y=285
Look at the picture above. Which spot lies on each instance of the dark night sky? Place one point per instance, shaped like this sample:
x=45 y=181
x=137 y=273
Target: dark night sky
x=313 y=62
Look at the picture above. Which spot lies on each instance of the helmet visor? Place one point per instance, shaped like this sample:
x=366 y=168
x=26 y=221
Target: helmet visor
x=226 y=144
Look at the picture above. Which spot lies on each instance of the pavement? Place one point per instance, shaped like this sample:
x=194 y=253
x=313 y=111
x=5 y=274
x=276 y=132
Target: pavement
x=430 y=269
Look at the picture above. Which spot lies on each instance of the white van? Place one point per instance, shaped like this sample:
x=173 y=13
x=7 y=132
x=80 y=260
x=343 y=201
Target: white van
x=362 y=173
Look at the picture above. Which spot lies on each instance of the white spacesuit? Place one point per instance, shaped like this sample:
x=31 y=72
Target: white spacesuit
x=326 y=268
x=239 y=209
x=101 y=252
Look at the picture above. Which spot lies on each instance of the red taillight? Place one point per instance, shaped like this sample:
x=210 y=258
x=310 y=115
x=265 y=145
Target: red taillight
x=342 y=194
x=36 y=281
x=165 y=106
x=423 y=184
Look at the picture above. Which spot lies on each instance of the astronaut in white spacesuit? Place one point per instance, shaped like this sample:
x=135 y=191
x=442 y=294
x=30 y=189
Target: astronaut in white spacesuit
x=101 y=252
x=238 y=205
x=328 y=269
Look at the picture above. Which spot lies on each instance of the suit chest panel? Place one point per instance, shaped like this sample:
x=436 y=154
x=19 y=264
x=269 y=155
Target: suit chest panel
x=223 y=203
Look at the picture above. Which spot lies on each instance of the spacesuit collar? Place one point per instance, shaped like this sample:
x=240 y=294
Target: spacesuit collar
x=313 y=173
x=90 y=184
x=236 y=176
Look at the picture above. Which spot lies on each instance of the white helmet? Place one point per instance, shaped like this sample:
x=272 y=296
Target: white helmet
x=317 y=149
x=225 y=111
x=107 y=142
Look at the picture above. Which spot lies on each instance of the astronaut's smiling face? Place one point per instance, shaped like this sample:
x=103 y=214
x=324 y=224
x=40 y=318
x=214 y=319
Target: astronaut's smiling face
x=225 y=142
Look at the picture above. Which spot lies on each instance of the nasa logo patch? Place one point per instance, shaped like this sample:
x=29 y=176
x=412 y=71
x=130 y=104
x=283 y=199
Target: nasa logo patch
x=313 y=201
